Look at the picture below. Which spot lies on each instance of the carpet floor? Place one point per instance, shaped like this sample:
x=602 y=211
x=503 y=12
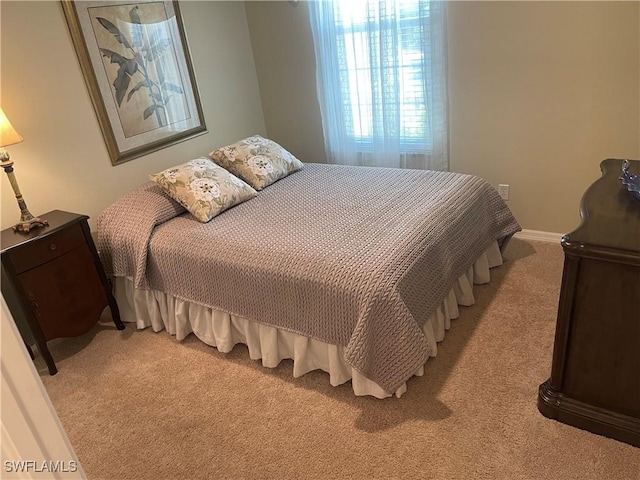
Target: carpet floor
x=140 y=405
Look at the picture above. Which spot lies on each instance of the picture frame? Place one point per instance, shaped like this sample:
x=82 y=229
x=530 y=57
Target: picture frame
x=136 y=63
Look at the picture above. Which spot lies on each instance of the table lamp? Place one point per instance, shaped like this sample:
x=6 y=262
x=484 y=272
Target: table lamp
x=8 y=136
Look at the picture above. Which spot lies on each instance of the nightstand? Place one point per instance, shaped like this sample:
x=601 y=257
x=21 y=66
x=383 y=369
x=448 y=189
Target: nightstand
x=58 y=280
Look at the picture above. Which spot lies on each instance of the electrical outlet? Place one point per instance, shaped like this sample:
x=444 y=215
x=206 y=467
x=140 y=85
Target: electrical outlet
x=503 y=190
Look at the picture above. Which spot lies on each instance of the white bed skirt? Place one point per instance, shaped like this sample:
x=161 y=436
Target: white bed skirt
x=151 y=308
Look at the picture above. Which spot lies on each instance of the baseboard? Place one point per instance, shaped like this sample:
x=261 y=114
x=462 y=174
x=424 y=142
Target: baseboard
x=539 y=236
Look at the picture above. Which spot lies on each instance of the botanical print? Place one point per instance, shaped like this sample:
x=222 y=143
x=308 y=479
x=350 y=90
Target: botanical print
x=136 y=43
x=135 y=61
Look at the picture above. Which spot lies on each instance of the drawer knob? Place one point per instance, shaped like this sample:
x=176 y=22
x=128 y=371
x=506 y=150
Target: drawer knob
x=52 y=247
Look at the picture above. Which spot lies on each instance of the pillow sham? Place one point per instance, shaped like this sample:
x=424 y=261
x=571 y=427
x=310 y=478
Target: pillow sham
x=257 y=160
x=203 y=187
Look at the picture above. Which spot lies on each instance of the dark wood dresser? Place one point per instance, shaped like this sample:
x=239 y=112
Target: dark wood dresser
x=55 y=279
x=595 y=374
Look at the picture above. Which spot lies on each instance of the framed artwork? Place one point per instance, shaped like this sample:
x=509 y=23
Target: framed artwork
x=135 y=60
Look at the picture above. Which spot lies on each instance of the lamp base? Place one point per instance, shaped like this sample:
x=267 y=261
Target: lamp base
x=24 y=226
x=27 y=221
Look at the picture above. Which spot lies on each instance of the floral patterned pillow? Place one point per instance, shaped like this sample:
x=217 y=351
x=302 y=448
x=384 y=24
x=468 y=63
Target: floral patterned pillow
x=203 y=188
x=257 y=160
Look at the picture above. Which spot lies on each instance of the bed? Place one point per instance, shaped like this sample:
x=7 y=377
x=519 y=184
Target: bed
x=356 y=271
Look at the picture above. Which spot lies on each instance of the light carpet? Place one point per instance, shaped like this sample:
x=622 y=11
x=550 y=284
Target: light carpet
x=140 y=405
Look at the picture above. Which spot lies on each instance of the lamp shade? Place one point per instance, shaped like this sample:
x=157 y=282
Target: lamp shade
x=8 y=135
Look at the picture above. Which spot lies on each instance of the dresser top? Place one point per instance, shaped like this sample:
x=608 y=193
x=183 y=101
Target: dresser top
x=610 y=214
x=57 y=219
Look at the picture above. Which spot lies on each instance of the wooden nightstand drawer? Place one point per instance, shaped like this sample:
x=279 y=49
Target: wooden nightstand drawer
x=57 y=281
x=47 y=248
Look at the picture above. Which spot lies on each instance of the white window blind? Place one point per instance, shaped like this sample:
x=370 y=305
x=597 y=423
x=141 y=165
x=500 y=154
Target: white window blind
x=382 y=91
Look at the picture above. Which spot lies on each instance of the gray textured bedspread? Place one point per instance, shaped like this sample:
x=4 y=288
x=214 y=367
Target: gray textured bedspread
x=352 y=256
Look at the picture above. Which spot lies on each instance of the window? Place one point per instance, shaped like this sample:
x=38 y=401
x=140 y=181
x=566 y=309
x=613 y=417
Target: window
x=381 y=79
x=361 y=48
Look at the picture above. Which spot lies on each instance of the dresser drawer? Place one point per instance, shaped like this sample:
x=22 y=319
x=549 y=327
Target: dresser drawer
x=46 y=248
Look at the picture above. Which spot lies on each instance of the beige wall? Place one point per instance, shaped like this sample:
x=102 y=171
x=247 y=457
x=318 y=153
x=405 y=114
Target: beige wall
x=286 y=67
x=540 y=93
x=63 y=162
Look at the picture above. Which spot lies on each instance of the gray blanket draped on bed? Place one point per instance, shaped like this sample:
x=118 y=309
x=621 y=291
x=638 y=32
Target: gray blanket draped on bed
x=352 y=256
